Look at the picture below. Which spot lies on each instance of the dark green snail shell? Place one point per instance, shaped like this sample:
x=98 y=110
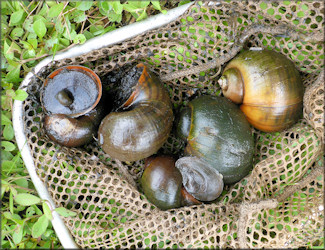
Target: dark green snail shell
x=219 y=134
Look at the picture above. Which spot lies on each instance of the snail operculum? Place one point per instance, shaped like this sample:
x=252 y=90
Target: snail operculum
x=202 y=181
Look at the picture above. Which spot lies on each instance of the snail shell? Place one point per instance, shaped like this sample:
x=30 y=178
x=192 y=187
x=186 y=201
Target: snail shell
x=71 y=99
x=202 y=181
x=143 y=123
x=268 y=87
x=73 y=132
x=217 y=132
x=162 y=183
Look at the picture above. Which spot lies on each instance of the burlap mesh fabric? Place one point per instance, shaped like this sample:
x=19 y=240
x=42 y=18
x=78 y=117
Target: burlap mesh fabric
x=279 y=204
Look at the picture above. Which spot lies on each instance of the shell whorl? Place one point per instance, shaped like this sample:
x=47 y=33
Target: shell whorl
x=272 y=88
x=144 y=126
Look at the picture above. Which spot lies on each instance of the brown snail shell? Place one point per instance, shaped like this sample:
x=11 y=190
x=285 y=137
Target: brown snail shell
x=143 y=122
x=71 y=98
x=268 y=87
x=73 y=132
x=201 y=180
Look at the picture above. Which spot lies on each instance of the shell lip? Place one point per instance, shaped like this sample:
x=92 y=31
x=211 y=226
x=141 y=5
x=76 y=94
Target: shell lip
x=136 y=89
x=86 y=71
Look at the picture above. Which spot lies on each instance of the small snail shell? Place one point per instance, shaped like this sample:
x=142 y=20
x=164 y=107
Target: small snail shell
x=202 y=181
x=268 y=87
x=217 y=132
x=161 y=182
x=73 y=132
x=143 y=123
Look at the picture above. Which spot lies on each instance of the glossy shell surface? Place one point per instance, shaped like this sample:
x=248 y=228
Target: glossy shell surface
x=161 y=182
x=220 y=134
x=272 y=90
x=143 y=123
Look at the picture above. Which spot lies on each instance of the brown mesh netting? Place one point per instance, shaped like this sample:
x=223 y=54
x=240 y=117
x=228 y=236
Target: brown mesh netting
x=279 y=204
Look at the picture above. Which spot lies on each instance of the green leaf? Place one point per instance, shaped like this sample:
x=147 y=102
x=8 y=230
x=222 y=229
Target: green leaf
x=88 y=35
x=22 y=182
x=113 y=17
x=33 y=42
x=96 y=29
x=8 y=132
x=6 y=165
x=55 y=10
x=30 y=211
x=27 y=199
x=11 y=200
x=47 y=211
x=40 y=226
x=21 y=95
x=65 y=42
x=17 y=235
x=39 y=28
x=65 y=212
x=105 y=5
x=28 y=24
x=58 y=26
x=117 y=6
x=5 y=120
x=16 y=33
x=80 y=38
x=13 y=75
x=14 y=217
x=8 y=146
x=84 y=5
x=143 y=4
x=156 y=5
x=142 y=16
x=17 y=17
x=80 y=18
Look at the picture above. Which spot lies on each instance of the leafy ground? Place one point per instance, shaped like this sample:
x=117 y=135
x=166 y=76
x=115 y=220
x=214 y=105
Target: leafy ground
x=31 y=31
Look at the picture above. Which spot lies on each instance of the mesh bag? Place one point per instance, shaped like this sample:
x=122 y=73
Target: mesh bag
x=279 y=204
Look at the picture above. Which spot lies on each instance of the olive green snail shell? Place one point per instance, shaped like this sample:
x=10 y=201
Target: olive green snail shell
x=267 y=86
x=217 y=132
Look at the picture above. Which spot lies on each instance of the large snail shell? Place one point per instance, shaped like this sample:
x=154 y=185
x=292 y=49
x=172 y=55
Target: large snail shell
x=268 y=87
x=219 y=134
x=202 y=181
x=144 y=126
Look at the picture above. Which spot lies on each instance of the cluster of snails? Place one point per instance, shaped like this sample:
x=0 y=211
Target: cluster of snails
x=219 y=141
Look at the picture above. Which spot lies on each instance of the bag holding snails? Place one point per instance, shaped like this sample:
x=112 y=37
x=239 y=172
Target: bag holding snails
x=277 y=200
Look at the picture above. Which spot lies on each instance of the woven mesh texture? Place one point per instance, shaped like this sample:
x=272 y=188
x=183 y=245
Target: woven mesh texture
x=279 y=204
